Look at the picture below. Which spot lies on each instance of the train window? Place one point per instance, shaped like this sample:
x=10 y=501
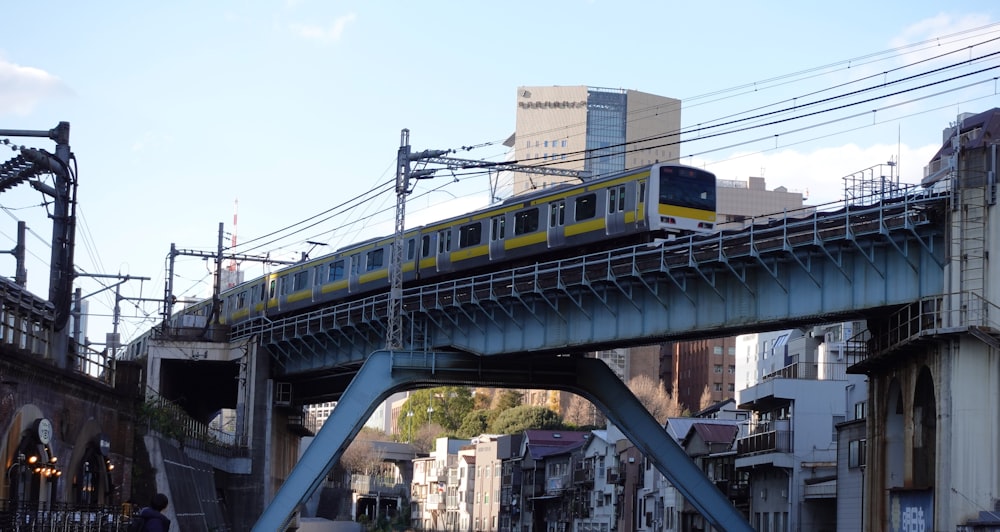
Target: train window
x=526 y=221
x=270 y=290
x=283 y=285
x=642 y=192
x=318 y=274
x=241 y=300
x=411 y=248
x=444 y=241
x=336 y=271
x=425 y=246
x=300 y=280
x=470 y=235
x=557 y=213
x=375 y=259
x=616 y=199
x=586 y=207
x=498 y=228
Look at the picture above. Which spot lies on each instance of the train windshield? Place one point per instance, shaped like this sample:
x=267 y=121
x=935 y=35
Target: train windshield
x=687 y=187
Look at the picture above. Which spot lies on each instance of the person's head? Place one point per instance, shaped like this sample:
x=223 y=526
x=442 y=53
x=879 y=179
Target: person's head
x=159 y=502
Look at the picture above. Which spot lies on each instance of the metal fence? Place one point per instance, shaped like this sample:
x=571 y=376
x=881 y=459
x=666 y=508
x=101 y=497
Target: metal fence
x=58 y=517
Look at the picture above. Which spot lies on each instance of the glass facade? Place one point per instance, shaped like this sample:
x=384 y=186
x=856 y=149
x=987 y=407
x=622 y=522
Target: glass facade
x=607 y=110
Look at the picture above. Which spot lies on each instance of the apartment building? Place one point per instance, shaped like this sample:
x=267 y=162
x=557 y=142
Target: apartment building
x=799 y=399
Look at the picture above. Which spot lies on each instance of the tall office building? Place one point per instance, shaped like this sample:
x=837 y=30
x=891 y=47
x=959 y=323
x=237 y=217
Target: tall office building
x=592 y=129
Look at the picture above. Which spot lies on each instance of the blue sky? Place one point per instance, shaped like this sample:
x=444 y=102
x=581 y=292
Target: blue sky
x=179 y=109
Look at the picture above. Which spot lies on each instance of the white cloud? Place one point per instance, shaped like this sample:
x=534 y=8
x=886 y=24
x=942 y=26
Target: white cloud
x=22 y=88
x=331 y=33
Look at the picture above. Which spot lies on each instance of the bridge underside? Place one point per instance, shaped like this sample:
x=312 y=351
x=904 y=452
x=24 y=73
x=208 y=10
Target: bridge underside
x=386 y=372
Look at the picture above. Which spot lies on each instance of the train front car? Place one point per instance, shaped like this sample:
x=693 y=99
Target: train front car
x=686 y=199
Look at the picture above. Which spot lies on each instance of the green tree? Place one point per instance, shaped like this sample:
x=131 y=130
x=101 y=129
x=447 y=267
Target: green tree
x=446 y=406
x=521 y=418
x=507 y=399
x=475 y=423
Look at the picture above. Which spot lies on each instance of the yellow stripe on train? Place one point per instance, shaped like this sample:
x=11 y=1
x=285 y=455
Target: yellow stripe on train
x=687 y=212
x=526 y=240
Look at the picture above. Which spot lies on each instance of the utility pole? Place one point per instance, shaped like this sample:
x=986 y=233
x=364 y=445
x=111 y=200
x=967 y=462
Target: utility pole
x=20 y=272
x=218 y=256
x=112 y=341
x=394 y=329
x=27 y=165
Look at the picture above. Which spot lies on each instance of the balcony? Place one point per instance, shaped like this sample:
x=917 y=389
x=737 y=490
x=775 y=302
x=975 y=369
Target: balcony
x=821 y=490
x=835 y=371
x=583 y=476
x=774 y=441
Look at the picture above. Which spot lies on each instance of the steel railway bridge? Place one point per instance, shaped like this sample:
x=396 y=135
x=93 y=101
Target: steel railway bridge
x=528 y=327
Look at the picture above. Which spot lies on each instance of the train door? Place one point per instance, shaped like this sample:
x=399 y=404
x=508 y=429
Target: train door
x=258 y=302
x=425 y=261
x=354 y=269
x=615 y=217
x=444 y=250
x=640 y=205
x=498 y=233
x=557 y=224
x=272 y=293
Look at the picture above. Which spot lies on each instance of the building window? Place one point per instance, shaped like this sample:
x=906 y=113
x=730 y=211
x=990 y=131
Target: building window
x=732 y=369
x=732 y=350
x=856 y=453
x=717 y=350
x=861 y=410
x=718 y=386
x=717 y=368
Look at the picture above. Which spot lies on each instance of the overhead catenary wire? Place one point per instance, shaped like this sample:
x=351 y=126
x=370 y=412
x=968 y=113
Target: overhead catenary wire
x=298 y=228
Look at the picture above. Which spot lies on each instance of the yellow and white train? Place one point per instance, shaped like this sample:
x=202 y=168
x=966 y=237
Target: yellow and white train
x=630 y=207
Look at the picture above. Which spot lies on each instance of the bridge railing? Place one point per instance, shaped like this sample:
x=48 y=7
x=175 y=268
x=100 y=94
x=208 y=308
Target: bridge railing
x=936 y=315
x=171 y=421
x=61 y=517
